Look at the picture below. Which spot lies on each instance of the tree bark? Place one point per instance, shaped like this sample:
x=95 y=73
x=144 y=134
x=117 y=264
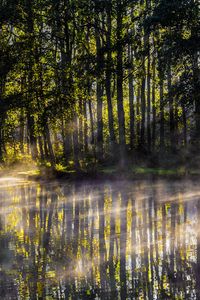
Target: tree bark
x=21 y=133
x=41 y=148
x=184 y=125
x=153 y=105
x=108 y=79
x=138 y=127
x=50 y=147
x=30 y=116
x=99 y=89
x=85 y=128
x=162 y=141
x=171 y=111
x=120 y=104
x=76 y=143
x=32 y=137
x=196 y=75
x=149 y=100
x=131 y=98
x=143 y=112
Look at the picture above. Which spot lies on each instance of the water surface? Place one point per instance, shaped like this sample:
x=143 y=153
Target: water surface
x=121 y=240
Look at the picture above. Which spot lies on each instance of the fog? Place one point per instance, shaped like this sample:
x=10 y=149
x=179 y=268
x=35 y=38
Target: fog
x=103 y=240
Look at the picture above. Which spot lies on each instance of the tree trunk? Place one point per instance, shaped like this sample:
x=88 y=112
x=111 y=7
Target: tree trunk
x=171 y=111
x=41 y=148
x=67 y=141
x=108 y=79
x=149 y=100
x=143 y=112
x=80 y=123
x=184 y=125
x=138 y=114
x=91 y=123
x=85 y=128
x=153 y=105
x=32 y=138
x=50 y=147
x=120 y=104
x=46 y=150
x=148 y=45
x=21 y=131
x=1 y=140
x=161 y=116
x=99 y=121
x=99 y=90
x=131 y=98
x=30 y=117
x=76 y=143
x=196 y=75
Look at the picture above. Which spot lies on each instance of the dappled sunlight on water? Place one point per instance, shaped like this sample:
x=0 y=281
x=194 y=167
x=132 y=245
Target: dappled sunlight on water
x=7 y=182
x=122 y=240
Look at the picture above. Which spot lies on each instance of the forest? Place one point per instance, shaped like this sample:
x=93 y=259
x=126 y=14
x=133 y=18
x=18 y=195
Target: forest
x=96 y=82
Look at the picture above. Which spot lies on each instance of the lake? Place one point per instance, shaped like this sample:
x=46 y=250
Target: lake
x=99 y=240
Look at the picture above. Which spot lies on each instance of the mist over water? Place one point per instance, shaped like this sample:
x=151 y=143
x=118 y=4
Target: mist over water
x=120 y=240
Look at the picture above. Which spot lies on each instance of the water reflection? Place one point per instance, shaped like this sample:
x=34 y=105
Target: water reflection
x=121 y=240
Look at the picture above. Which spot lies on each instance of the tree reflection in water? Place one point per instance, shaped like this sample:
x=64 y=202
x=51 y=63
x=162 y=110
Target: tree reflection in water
x=138 y=240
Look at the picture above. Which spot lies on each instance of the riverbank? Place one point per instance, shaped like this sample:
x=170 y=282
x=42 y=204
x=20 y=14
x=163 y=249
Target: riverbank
x=38 y=172
x=110 y=173
x=117 y=174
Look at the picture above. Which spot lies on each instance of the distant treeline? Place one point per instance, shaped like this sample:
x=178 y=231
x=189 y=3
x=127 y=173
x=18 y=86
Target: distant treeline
x=93 y=79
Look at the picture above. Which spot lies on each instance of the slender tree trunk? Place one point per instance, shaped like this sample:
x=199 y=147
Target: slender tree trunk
x=147 y=42
x=91 y=123
x=120 y=104
x=184 y=125
x=92 y=129
x=67 y=140
x=196 y=75
x=99 y=121
x=41 y=147
x=81 y=140
x=50 y=147
x=99 y=90
x=131 y=98
x=143 y=94
x=161 y=116
x=27 y=139
x=176 y=125
x=46 y=150
x=153 y=105
x=171 y=111
x=32 y=138
x=143 y=112
x=30 y=117
x=108 y=79
x=138 y=127
x=85 y=128
x=1 y=140
x=149 y=141
x=21 y=133
x=76 y=143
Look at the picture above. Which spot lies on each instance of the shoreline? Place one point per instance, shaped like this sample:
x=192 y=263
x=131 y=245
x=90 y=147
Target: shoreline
x=110 y=173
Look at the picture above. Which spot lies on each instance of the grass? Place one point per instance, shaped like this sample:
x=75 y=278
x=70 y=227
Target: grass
x=156 y=171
